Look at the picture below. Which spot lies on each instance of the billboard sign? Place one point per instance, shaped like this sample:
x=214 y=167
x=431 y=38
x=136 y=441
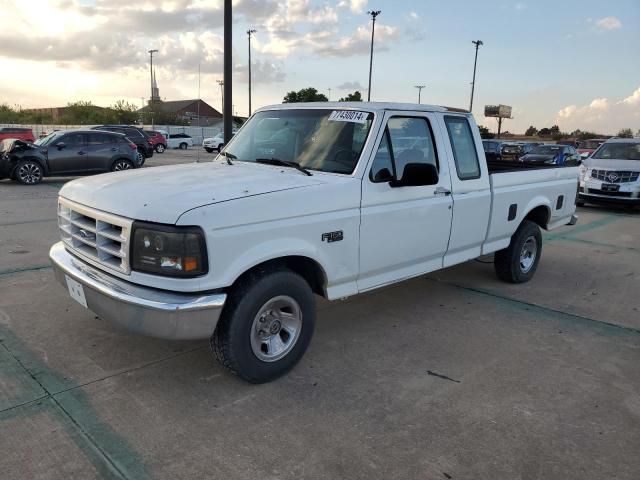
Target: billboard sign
x=499 y=111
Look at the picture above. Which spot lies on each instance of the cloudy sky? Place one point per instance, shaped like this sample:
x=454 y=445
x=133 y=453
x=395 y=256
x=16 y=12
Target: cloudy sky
x=571 y=62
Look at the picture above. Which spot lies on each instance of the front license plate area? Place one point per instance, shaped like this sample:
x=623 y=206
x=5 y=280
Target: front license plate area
x=608 y=187
x=76 y=291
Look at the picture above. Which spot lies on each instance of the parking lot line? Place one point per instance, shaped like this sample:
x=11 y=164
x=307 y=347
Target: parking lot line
x=33 y=268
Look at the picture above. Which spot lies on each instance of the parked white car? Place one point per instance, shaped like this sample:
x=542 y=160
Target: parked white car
x=306 y=199
x=177 y=140
x=612 y=173
x=215 y=143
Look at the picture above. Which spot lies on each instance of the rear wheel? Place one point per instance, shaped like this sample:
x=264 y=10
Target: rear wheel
x=266 y=326
x=140 y=158
x=183 y=146
x=209 y=150
x=518 y=262
x=220 y=146
x=28 y=172
x=121 y=165
x=160 y=148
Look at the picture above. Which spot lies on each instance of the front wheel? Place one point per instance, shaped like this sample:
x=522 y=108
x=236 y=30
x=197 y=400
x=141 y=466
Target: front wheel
x=160 y=148
x=209 y=150
x=28 y=172
x=266 y=326
x=518 y=262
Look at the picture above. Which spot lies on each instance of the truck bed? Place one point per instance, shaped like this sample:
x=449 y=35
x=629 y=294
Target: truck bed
x=502 y=166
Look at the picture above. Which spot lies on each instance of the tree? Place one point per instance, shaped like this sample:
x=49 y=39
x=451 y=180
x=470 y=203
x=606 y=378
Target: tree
x=531 y=131
x=544 y=132
x=555 y=130
x=125 y=112
x=309 y=94
x=484 y=132
x=352 y=97
x=625 y=133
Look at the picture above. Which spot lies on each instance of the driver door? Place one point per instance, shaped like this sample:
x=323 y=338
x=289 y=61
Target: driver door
x=68 y=154
x=404 y=231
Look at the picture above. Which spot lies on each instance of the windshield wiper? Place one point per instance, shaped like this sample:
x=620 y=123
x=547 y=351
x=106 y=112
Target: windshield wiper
x=284 y=163
x=229 y=156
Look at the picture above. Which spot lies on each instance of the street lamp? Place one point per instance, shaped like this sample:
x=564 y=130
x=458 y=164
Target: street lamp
x=419 y=87
x=249 y=32
x=151 y=52
x=221 y=83
x=374 y=14
x=477 y=43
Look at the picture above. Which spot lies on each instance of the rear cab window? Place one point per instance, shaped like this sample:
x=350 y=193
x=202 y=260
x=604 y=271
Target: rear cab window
x=464 y=148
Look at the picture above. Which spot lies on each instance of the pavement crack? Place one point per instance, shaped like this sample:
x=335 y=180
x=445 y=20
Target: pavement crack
x=440 y=375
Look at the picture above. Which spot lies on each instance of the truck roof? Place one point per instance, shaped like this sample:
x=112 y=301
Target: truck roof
x=366 y=106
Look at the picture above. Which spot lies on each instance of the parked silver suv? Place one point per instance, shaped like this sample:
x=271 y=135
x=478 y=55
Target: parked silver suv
x=611 y=174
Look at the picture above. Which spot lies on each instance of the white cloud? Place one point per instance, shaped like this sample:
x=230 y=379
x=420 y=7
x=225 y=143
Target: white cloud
x=414 y=15
x=602 y=115
x=520 y=6
x=356 y=6
x=351 y=86
x=358 y=43
x=609 y=23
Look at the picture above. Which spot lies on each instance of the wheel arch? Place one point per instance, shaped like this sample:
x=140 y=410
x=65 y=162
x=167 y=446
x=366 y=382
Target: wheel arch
x=133 y=164
x=41 y=161
x=539 y=215
x=306 y=267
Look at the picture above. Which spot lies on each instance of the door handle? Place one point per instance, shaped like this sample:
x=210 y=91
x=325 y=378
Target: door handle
x=114 y=149
x=82 y=153
x=442 y=191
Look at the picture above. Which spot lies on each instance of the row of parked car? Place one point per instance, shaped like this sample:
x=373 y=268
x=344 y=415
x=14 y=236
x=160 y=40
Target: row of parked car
x=561 y=153
x=98 y=149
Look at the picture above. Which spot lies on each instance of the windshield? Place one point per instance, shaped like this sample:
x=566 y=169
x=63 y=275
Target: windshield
x=546 y=150
x=316 y=139
x=41 y=142
x=618 y=151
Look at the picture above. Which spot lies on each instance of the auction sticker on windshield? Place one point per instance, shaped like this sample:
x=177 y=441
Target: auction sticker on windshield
x=348 y=116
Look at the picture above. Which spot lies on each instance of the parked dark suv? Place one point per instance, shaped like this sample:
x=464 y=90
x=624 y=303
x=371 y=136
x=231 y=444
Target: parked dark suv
x=69 y=152
x=136 y=135
x=492 y=149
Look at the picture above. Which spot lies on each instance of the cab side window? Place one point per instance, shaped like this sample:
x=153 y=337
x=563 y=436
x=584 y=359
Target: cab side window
x=73 y=140
x=464 y=148
x=405 y=140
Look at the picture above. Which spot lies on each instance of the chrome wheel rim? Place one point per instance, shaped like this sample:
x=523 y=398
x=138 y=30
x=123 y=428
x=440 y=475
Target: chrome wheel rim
x=160 y=148
x=140 y=158
x=528 y=254
x=122 y=166
x=29 y=173
x=276 y=328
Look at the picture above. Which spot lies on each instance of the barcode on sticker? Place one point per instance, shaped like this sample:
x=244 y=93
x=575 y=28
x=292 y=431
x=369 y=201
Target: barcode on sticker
x=348 y=116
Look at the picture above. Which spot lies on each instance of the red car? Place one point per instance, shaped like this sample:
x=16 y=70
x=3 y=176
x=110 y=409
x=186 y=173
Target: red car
x=587 y=147
x=20 y=133
x=157 y=140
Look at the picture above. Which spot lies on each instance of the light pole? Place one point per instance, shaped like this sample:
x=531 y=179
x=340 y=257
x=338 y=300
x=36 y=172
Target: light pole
x=227 y=114
x=374 y=14
x=221 y=83
x=419 y=87
x=249 y=32
x=477 y=43
x=329 y=90
x=151 y=52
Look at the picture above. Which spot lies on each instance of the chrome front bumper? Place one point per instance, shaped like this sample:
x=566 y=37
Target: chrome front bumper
x=157 y=313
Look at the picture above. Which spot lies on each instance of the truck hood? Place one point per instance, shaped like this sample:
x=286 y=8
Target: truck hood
x=162 y=194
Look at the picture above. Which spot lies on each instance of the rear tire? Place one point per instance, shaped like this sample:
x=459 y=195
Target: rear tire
x=160 y=148
x=579 y=204
x=209 y=150
x=220 y=147
x=266 y=325
x=518 y=262
x=140 y=157
x=183 y=146
x=121 y=164
x=28 y=172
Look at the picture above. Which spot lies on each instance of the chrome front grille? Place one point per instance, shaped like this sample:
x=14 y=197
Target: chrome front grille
x=97 y=236
x=614 y=176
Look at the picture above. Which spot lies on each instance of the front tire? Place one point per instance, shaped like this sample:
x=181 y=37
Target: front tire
x=140 y=158
x=518 y=262
x=28 y=172
x=266 y=326
x=209 y=150
x=160 y=148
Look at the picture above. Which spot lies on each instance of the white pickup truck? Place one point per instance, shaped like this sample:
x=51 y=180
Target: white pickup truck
x=306 y=199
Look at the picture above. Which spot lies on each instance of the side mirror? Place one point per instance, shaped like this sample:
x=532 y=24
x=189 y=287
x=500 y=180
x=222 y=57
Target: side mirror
x=416 y=175
x=61 y=145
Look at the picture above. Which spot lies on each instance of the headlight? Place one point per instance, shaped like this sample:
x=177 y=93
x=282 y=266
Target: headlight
x=583 y=172
x=168 y=250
